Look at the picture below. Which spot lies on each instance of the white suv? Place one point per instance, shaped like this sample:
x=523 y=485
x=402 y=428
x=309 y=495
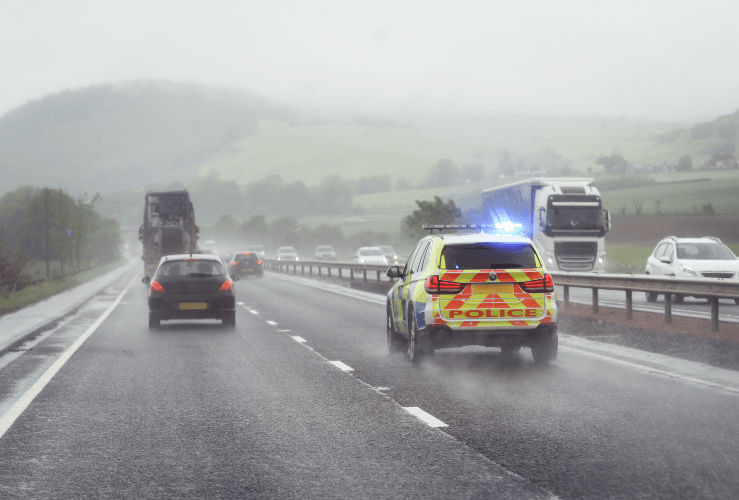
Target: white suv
x=704 y=257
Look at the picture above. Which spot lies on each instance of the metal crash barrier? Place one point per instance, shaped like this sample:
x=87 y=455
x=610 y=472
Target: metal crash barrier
x=319 y=265
x=710 y=288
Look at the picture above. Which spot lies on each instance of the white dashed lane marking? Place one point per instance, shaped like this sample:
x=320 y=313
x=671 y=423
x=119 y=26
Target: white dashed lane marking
x=299 y=339
x=342 y=366
x=431 y=420
x=273 y=323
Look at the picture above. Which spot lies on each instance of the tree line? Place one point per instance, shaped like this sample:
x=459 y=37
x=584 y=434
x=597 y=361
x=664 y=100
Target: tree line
x=50 y=225
x=284 y=231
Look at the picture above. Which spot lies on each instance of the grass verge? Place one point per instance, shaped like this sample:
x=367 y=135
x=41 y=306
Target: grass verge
x=35 y=293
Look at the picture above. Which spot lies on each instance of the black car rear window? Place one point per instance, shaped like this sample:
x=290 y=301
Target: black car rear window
x=191 y=267
x=489 y=256
x=241 y=258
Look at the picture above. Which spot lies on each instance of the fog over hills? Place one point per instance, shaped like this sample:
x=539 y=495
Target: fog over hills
x=109 y=137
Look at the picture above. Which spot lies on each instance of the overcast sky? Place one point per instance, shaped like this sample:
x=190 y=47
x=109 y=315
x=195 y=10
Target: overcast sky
x=671 y=60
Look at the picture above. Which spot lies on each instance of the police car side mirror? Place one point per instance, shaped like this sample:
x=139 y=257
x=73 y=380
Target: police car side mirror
x=146 y=280
x=393 y=272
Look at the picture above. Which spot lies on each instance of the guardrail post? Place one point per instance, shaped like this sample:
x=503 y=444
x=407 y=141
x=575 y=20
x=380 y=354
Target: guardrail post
x=319 y=270
x=668 y=308
x=629 y=311
x=364 y=271
x=302 y=269
x=567 y=297
x=339 y=272
x=378 y=275
x=714 y=314
x=595 y=301
x=295 y=269
x=311 y=269
x=351 y=273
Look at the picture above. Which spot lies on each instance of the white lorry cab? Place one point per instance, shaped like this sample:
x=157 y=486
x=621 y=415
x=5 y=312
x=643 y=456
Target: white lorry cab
x=563 y=217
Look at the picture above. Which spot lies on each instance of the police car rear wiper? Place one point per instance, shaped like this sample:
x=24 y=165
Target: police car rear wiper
x=505 y=265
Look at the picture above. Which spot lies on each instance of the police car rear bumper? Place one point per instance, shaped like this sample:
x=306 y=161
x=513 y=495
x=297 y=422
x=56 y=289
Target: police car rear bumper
x=441 y=336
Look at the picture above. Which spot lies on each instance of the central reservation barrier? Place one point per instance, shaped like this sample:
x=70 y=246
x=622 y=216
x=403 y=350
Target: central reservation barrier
x=711 y=288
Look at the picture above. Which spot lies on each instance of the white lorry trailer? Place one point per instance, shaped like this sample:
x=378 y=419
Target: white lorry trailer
x=563 y=217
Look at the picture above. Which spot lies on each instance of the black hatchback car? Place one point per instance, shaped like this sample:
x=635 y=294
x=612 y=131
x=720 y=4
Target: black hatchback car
x=191 y=286
x=247 y=264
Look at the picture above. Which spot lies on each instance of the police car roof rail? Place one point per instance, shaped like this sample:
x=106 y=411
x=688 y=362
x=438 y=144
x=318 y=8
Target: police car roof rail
x=439 y=227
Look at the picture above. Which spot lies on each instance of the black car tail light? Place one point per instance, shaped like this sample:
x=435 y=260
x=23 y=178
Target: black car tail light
x=157 y=287
x=259 y=262
x=544 y=285
x=234 y=263
x=434 y=285
x=226 y=286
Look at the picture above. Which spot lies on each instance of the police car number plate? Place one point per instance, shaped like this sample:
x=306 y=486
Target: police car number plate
x=488 y=289
x=193 y=305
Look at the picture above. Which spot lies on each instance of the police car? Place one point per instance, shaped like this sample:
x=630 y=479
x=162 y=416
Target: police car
x=472 y=289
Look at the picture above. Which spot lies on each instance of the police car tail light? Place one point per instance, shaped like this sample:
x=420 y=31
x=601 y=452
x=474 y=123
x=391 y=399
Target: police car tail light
x=157 y=287
x=544 y=285
x=435 y=285
x=226 y=286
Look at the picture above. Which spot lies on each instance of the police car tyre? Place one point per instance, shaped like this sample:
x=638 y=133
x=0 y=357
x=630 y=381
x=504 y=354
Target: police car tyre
x=546 y=350
x=154 y=321
x=417 y=351
x=395 y=343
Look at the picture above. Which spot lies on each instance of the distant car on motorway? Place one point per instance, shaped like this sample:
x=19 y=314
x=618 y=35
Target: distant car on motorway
x=287 y=253
x=472 y=289
x=390 y=254
x=247 y=264
x=191 y=286
x=370 y=255
x=705 y=257
x=325 y=252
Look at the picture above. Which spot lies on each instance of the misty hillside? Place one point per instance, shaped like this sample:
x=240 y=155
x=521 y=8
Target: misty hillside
x=115 y=136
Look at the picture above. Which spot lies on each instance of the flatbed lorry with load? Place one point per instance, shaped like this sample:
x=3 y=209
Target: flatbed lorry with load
x=169 y=227
x=564 y=217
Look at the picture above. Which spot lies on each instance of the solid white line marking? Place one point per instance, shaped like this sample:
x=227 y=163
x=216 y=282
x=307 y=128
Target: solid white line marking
x=20 y=406
x=299 y=339
x=240 y=303
x=342 y=366
x=649 y=369
x=431 y=420
x=271 y=322
x=284 y=331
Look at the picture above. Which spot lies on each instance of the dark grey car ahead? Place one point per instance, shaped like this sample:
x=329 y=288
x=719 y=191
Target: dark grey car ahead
x=191 y=287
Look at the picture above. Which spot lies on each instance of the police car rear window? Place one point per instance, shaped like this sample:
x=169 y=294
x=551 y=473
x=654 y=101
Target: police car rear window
x=489 y=256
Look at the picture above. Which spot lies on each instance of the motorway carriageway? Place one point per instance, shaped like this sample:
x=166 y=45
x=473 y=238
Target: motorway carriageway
x=302 y=400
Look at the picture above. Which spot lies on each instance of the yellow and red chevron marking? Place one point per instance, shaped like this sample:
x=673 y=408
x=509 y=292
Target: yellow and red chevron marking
x=483 y=276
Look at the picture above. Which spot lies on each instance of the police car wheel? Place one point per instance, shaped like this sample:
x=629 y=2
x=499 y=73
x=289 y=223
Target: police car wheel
x=416 y=348
x=154 y=321
x=395 y=343
x=546 y=350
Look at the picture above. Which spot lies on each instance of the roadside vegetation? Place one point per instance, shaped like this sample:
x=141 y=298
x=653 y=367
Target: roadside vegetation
x=50 y=241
